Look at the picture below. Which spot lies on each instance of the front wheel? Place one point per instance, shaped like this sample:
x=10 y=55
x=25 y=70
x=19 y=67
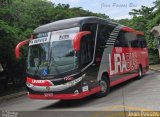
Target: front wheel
x=105 y=87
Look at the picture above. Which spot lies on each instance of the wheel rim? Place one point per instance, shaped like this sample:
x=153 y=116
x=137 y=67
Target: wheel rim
x=140 y=72
x=103 y=86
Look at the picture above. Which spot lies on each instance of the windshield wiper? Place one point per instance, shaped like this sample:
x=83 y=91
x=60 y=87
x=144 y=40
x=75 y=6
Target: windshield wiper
x=37 y=68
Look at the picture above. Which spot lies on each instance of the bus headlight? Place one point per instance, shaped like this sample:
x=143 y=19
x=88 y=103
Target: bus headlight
x=29 y=85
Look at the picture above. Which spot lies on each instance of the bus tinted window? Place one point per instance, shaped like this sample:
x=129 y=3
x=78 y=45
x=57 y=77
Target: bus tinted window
x=103 y=35
x=86 y=50
x=122 y=40
x=87 y=44
x=142 y=41
x=133 y=40
x=129 y=39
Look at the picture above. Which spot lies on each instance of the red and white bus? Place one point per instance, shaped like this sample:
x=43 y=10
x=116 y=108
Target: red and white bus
x=78 y=57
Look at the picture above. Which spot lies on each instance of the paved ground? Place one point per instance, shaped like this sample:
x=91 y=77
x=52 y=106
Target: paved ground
x=137 y=95
x=155 y=67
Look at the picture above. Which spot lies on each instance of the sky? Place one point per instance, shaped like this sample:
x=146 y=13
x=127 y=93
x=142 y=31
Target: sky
x=115 y=9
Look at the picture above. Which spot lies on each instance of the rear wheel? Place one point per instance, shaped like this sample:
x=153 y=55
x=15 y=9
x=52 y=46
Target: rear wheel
x=140 y=72
x=104 y=84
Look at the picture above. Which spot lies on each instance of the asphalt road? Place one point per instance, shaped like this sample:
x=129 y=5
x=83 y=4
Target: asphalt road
x=133 y=95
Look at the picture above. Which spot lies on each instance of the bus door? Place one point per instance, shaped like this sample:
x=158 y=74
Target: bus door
x=87 y=53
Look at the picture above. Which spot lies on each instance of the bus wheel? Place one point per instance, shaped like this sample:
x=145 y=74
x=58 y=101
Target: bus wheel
x=104 y=84
x=140 y=72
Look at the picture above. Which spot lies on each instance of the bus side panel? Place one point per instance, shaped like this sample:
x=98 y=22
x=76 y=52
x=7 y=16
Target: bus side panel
x=125 y=62
x=143 y=57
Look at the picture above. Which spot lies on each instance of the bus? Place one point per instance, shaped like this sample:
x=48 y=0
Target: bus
x=77 y=57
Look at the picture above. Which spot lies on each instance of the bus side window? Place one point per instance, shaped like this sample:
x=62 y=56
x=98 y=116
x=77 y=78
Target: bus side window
x=86 y=50
x=134 y=44
x=103 y=35
x=117 y=43
x=121 y=40
x=142 y=41
x=134 y=40
x=87 y=44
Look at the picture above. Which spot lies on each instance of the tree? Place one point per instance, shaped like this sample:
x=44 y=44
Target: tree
x=146 y=12
x=4 y=3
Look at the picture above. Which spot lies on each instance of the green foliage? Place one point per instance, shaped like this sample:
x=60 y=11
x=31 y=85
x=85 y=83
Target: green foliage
x=8 y=36
x=146 y=12
x=153 y=56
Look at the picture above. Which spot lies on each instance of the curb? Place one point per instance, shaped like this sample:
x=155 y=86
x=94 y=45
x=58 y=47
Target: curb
x=154 y=69
x=11 y=96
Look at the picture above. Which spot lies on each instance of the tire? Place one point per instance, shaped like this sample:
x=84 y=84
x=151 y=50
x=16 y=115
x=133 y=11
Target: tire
x=140 y=72
x=105 y=87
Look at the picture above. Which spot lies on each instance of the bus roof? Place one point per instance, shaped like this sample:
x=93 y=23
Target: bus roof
x=77 y=21
x=125 y=28
x=72 y=22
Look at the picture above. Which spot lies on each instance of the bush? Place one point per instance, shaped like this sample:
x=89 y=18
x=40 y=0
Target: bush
x=153 y=57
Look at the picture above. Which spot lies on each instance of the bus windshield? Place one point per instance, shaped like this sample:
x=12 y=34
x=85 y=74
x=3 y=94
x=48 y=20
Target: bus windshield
x=52 y=53
x=37 y=58
x=63 y=58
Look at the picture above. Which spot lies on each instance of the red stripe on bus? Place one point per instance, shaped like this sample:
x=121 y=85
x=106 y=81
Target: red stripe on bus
x=132 y=30
x=39 y=82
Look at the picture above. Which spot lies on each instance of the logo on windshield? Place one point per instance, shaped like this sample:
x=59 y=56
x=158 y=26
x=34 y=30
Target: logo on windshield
x=44 y=72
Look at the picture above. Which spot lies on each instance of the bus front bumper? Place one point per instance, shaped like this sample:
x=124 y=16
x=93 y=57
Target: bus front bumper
x=52 y=96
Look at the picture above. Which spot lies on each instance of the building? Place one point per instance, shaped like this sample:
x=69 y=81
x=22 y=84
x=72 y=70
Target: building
x=156 y=33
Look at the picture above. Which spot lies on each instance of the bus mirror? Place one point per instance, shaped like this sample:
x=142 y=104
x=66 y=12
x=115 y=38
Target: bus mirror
x=17 y=49
x=77 y=39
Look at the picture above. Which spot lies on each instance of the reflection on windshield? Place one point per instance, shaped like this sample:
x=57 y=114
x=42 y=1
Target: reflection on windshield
x=52 y=53
x=37 y=58
x=63 y=58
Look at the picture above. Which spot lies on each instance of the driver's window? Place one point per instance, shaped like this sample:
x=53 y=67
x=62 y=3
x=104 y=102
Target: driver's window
x=87 y=44
x=86 y=50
